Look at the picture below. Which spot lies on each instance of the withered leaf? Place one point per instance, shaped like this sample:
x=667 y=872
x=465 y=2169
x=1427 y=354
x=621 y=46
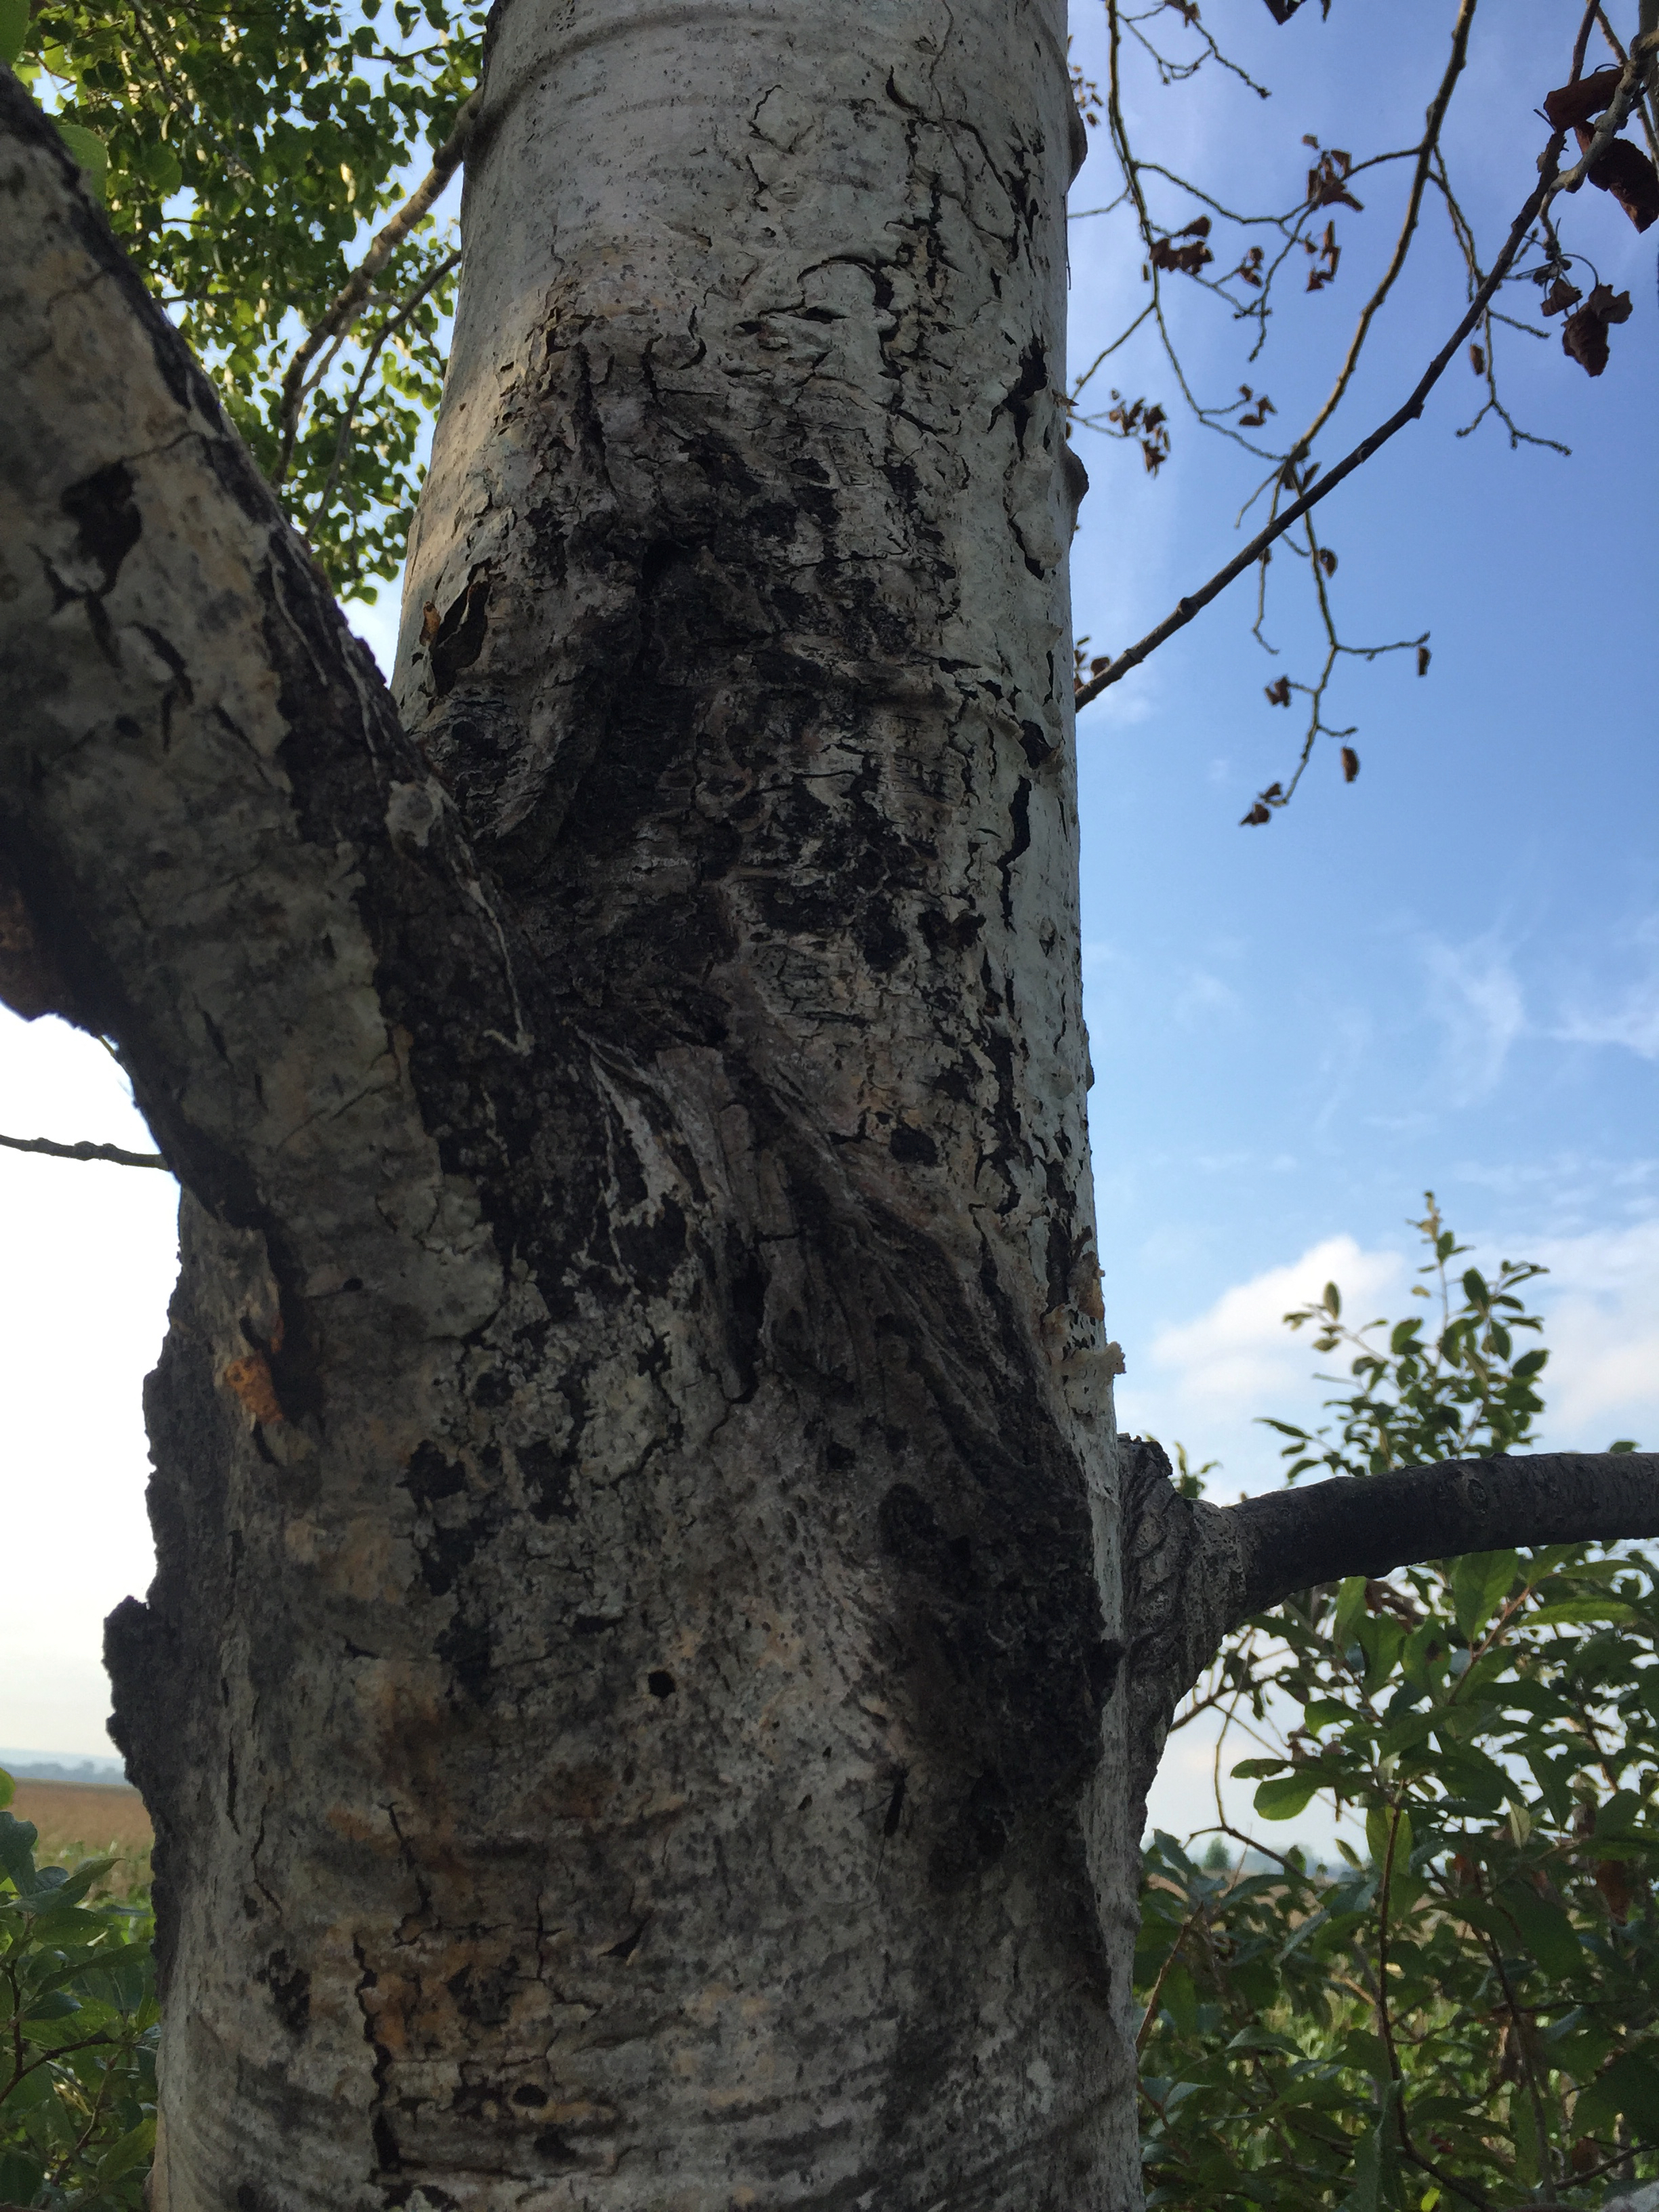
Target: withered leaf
x=1560 y=294
x=1350 y=763
x=1277 y=693
x=1585 y=337
x=1576 y=103
x=1328 y=560
x=1187 y=260
x=1478 y=359
x=1626 y=171
x=1424 y=656
x=1258 y=813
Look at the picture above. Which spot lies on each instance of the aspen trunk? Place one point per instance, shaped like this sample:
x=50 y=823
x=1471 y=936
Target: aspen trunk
x=630 y=1698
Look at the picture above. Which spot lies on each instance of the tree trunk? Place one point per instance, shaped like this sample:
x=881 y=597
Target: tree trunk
x=627 y=1695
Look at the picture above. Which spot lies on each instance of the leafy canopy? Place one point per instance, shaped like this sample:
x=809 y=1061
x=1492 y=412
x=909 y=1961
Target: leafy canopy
x=246 y=149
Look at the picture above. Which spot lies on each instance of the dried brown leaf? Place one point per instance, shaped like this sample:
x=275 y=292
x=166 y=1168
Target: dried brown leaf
x=1585 y=337
x=1626 y=171
x=1577 y=103
x=1350 y=763
x=1277 y=693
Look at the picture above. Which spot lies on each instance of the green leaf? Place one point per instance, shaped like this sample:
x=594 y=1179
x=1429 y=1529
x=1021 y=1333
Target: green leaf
x=14 y=30
x=17 y=1841
x=160 y=167
x=1283 y=1798
x=1379 y=1827
x=8 y=1787
x=1546 y=1930
x=20 y=2175
x=1350 y=1611
x=1481 y=1580
x=1577 y=1612
x=87 y=150
x=1629 y=2086
x=134 y=2149
x=1181 y=2000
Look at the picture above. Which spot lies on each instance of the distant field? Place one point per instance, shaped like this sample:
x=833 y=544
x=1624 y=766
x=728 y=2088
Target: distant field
x=84 y=1814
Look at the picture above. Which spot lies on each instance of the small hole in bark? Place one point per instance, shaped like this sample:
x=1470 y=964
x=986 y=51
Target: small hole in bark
x=659 y=1682
x=529 y=2094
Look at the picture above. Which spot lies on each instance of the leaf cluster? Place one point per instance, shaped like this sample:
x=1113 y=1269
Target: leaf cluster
x=251 y=146
x=77 y=2033
x=1466 y=2009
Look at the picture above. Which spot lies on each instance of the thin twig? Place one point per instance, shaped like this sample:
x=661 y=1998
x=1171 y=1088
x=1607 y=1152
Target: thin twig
x=348 y=300
x=1433 y=122
x=1195 y=602
x=84 y=1151
x=343 y=442
x=1551 y=184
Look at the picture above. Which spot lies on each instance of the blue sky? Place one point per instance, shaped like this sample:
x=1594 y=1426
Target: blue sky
x=1445 y=975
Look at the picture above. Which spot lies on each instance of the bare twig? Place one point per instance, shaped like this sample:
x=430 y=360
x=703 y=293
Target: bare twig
x=1434 y=122
x=1194 y=603
x=83 y=1151
x=393 y=322
x=348 y=300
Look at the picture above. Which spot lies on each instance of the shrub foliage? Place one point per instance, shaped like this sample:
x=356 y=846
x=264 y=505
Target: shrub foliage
x=77 y=2033
x=1464 y=2010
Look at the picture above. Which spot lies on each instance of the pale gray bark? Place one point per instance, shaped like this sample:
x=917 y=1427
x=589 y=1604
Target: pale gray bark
x=629 y=1682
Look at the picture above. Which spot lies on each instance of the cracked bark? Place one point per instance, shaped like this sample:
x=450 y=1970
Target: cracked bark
x=632 y=1699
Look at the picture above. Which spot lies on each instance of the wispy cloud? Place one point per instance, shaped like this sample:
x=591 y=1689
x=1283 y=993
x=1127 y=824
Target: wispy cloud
x=1476 y=996
x=1208 y=1380
x=1601 y=1300
x=1631 y=1016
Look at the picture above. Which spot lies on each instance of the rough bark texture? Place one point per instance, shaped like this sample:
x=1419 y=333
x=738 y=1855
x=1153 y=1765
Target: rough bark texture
x=628 y=1696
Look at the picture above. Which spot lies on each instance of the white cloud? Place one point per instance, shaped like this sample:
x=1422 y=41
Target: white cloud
x=1600 y=1299
x=1209 y=1380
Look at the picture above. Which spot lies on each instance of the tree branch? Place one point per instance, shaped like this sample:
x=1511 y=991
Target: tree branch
x=217 y=845
x=83 y=1151
x=348 y=302
x=1292 y=1538
x=1194 y=1573
x=1551 y=183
